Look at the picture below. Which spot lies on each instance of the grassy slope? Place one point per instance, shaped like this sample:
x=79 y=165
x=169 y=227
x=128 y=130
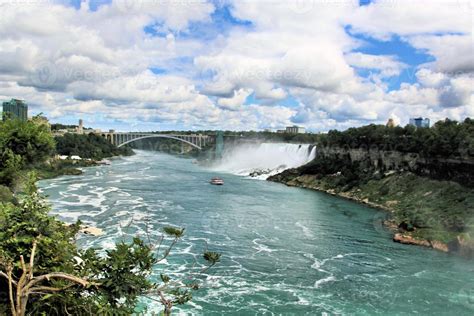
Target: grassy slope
x=441 y=210
x=438 y=210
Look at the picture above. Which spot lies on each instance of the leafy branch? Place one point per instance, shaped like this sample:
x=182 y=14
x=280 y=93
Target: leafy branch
x=28 y=284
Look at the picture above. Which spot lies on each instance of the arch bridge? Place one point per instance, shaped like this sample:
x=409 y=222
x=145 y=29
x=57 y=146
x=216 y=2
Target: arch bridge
x=121 y=139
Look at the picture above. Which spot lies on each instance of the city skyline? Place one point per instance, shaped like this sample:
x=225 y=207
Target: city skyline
x=242 y=65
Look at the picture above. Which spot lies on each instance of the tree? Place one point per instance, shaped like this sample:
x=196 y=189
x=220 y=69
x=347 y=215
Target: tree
x=22 y=145
x=10 y=164
x=88 y=146
x=29 y=139
x=28 y=284
x=43 y=272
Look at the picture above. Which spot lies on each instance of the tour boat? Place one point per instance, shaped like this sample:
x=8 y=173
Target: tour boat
x=217 y=181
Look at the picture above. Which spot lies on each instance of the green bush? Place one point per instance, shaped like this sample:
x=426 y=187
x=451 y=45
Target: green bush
x=23 y=145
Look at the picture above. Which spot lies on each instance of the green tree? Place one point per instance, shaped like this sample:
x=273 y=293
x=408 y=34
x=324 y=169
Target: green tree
x=30 y=140
x=10 y=166
x=23 y=145
x=42 y=272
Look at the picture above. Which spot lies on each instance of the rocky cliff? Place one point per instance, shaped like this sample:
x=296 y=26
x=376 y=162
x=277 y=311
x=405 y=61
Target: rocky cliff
x=375 y=160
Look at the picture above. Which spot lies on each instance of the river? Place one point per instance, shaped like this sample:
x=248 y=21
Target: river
x=284 y=250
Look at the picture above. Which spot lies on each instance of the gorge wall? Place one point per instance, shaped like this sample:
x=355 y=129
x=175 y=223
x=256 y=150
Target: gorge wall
x=375 y=160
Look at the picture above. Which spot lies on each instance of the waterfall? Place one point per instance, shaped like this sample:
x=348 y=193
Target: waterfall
x=265 y=159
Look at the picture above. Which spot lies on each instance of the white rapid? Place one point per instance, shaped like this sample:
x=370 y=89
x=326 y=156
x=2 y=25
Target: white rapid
x=265 y=159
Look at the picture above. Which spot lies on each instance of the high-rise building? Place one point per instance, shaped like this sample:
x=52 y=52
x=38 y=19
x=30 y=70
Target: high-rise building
x=420 y=122
x=15 y=109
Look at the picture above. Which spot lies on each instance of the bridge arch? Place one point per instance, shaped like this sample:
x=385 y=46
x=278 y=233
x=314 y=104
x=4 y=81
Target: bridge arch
x=159 y=136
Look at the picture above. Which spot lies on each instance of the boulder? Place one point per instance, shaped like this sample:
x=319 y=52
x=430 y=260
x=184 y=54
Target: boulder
x=94 y=231
x=259 y=172
x=409 y=240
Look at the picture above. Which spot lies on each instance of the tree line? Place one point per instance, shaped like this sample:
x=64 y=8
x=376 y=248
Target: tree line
x=448 y=139
x=88 y=146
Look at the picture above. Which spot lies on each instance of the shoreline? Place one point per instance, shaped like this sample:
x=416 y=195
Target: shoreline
x=399 y=235
x=74 y=168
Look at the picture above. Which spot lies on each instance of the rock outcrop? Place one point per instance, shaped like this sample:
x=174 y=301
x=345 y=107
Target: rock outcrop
x=385 y=161
x=409 y=240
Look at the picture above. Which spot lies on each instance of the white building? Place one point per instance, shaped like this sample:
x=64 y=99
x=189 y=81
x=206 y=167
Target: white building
x=295 y=130
x=420 y=122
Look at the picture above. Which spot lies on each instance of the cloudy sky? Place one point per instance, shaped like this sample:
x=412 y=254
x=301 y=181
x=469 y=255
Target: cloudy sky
x=238 y=64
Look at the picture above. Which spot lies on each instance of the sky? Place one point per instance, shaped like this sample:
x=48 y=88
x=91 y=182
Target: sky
x=149 y=65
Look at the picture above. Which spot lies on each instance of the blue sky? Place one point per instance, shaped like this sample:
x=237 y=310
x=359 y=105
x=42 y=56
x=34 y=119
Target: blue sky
x=155 y=65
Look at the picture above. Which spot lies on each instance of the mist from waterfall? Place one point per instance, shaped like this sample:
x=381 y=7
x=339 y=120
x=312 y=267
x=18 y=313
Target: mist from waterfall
x=265 y=159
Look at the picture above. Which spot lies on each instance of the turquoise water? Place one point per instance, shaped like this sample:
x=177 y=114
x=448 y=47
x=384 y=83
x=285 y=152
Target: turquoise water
x=284 y=250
